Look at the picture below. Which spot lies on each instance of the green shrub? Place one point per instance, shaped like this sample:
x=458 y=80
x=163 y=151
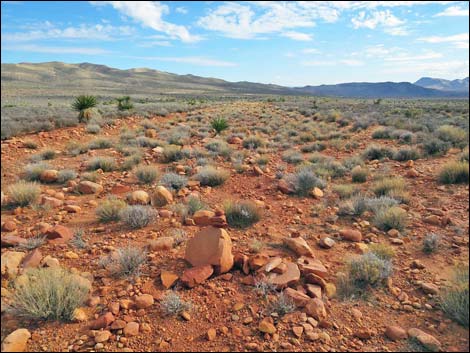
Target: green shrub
x=172 y=153
x=359 y=174
x=131 y=161
x=219 y=147
x=49 y=293
x=282 y=305
x=146 y=174
x=23 y=193
x=65 y=175
x=47 y=154
x=33 y=242
x=435 y=147
x=137 y=216
x=93 y=129
x=253 y=142
x=377 y=152
x=172 y=304
x=454 y=300
x=195 y=204
x=110 y=210
x=81 y=104
x=452 y=134
x=303 y=181
x=106 y=164
x=345 y=191
x=174 y=181
x=385 y=186
x=382 y=251
x=30 y=144
x=454 y=173
x=125 y=262
x=33 y=171
x=124 y=103
x=293 y=157
x=219 y=124
x=241 y=214
x=382 y=133
x=406 y=154
x=100 y=143
x=210 y=176
x=362 y=272
x=390 y=218
x=431 y=243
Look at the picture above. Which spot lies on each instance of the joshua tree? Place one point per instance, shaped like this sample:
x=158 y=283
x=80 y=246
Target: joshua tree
x=82 y=104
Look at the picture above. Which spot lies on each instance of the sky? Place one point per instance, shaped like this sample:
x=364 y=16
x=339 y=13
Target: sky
x=293 y=43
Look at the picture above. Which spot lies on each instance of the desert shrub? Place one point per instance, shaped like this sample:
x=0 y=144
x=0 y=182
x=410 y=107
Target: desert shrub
x=125 y=262
x=293 y=157
x=100 y=143
x=33 y=242
x=82 y=103
x=90 y=176
x=406 y=137
x=454 y=173
x=382 y=251
x=385 y=186
x=390 y=218
x=178 y=136
x=65 y=175
x=47 y=154
x=93 y=129
x=435 y=147
x=264 y=287
x=195 y=204
x=179 y=236
x=377 y=152
x=219 y=124
x=375 y=204
x=219 y=147
x=463 y=157
x=32 y=171
x=431 y=243
x=362 y=272
x=345 y=191
x=75 y=148
x=30 y=144
x=50 y=293
x=78 y=241
x=282 y=305
x=262 y=160
x=210 y=176
x=355 y=206
x=317 y=157
x=172 y=304
x=124 y=103
x=110 y=210
x=146 y=174
x=253 y=142
x=131 y=161
x=330 y=168
x=241 y=214
x=137 y=216
x=406 y=154
x=172 y=153
x=455 y=135
x=352 y=162
x=303 y=181
x=382 y=133
x=359 y=174
x=174 y=181
x=23 y=193
x=106 y=164
x=317 y=146
x=454 y=300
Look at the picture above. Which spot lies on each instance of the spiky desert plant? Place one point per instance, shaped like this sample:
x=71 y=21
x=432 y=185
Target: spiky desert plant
x=219 y=124
x=81 y=104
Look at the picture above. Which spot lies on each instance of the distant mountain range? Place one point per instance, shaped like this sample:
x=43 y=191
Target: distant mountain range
x=444 y=85
x=57 y=78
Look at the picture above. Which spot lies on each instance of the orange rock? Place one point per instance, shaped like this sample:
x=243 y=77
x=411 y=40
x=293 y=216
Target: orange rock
x=168 y=278
x=161 y=197
x=299 y=298
x=59 y=234
x=299 y=246
x=351 y=234
x=196 y=275
x=310 y=265
x=210 y=246
x=288 y=278
x=203 y=217
x=316 y=309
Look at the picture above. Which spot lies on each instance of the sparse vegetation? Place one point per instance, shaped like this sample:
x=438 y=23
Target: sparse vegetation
x=110 y=210
x=431 y=243
x=82 y=104
x=106 y=164
x=391 y=218
x=49 y=294
x=125 y=262
x=455 y=299
x=23 y=193
x=137 y=216
x=219 y=124
x=211 y=176
x=174 y=181
x=146 y=174
x=454 y=173
x=241 y=214
x=172 y=304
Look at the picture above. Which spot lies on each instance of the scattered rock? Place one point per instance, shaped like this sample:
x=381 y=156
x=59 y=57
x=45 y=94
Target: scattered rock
x=49 y=176
x=138 y=197
x=89 y=187
x=427 y=340
x=59 y=234
x=32 y=260
x=144 y=301
x=351 y=234
x=210 y=246
x=168 y=278
x=326 y=242
x=266 y=326
x=290 y=277
x=311 y=265
x=163 y=243
x=161 y=197
x=196 y=275
x=299 y=298
x=316 y=193
x=395 y=333
x=299 y=246
x=11 y=261
x=316 y=309
x=131 y=329
x=16 y=341
x=203 y=217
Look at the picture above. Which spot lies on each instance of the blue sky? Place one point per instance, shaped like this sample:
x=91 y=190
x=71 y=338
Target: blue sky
x=287 y=43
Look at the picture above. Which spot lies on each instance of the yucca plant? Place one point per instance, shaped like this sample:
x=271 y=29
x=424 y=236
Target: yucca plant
x=219 y=124
x=124 y=103
x=81 y=104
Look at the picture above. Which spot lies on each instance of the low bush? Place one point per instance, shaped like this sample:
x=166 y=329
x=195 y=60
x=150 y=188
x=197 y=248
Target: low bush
x=241 y=214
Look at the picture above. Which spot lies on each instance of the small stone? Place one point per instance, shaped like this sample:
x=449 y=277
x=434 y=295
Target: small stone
x=211 y=334
x=326 y=242
x=395 y=333
x=196 y=275
x=266 y=326
x=351 y=234
x=131 y=329
x=102 y=336
x=168 y=278
x=298 y=330
x=16 y=341
x=144 y=301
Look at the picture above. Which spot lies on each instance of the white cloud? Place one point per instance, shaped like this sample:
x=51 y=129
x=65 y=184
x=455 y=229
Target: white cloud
x=376 y=18
x=182 y=10
x=452 y=68
x=94 y=32
x=150 y=14
x=351 y=62
x=408 y=58
x=55 y=50
x=297 y=35
x=453 y=11
x=310 y=51
x=318 y=63
x=459 y=41
x=157 y=43
x=193 y=60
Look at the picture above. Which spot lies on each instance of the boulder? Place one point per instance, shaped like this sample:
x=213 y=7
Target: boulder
x=161 y=197
x=16 y=341
x=395 y=333
x=196 y=275
x=203 y=217
x=311 y=265
x=210 y=246
x=289 y=277
x=32 y=260
x=89 y=187
x=11 y=261
x=168 y=278
x=300 y=299
x=49 y=176
x=299 y=246
x=351 y=234
x=316 y=309
x=144 y=301
x=59 y=234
